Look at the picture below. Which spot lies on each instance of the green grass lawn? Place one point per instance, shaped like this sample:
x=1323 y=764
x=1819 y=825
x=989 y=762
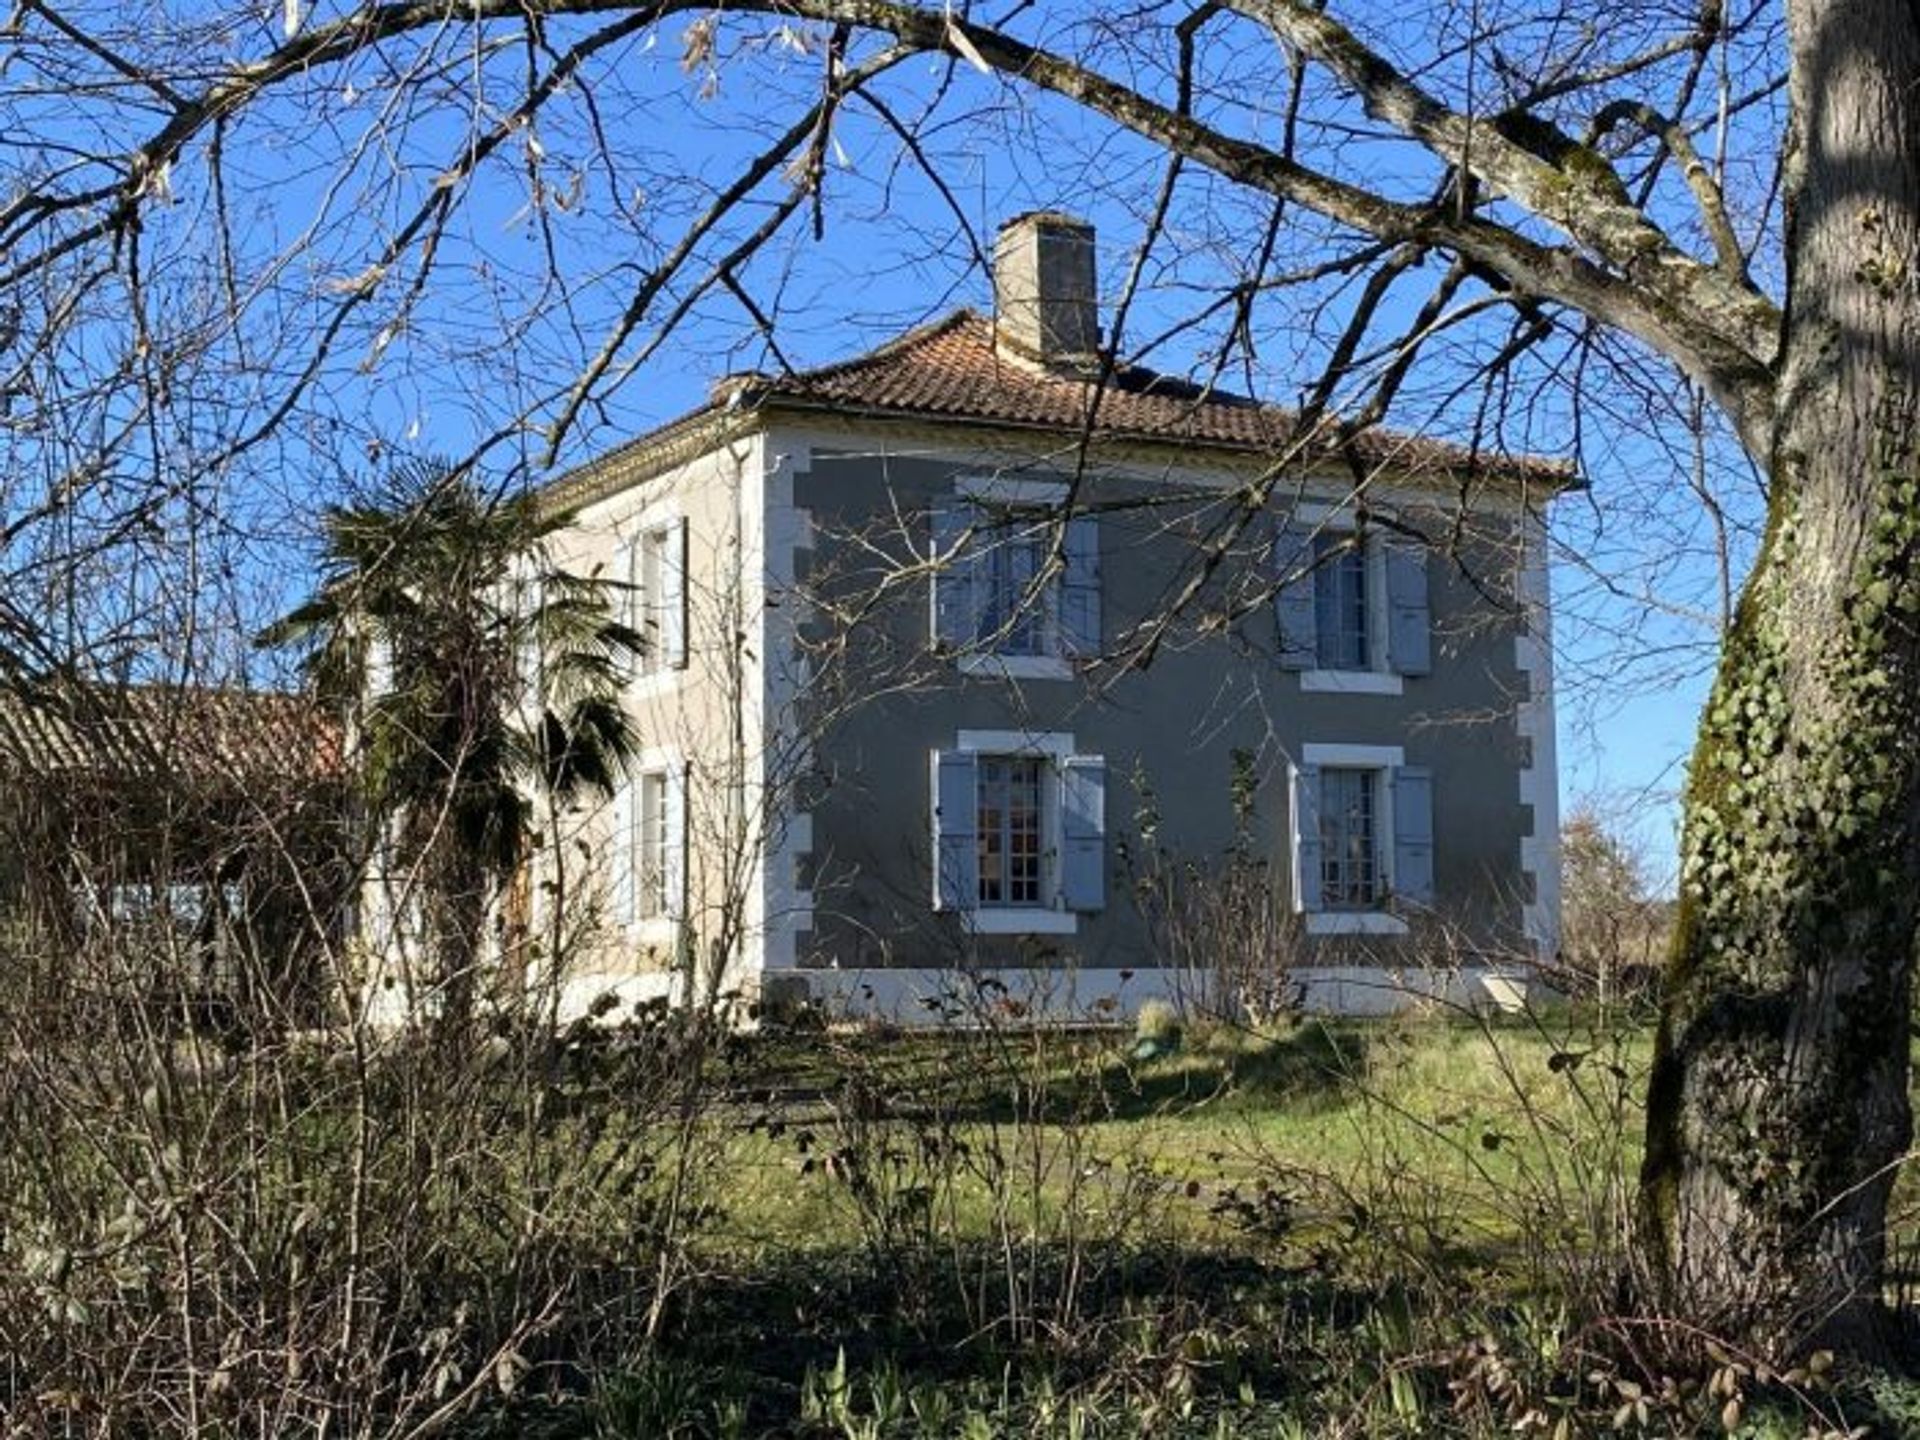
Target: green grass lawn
x=1397 y=1228
x=1479 y=1121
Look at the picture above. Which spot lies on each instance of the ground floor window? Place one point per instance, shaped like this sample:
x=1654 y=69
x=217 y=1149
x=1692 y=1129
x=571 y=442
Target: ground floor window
x=1363 y=838
x=1349 y=839
x=1019 y=839
x=650 y=845
x=1012 y=850
x=648 y=865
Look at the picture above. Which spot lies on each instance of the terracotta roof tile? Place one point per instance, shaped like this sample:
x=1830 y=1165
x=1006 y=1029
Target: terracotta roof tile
x=952 y=369
x=190 y=735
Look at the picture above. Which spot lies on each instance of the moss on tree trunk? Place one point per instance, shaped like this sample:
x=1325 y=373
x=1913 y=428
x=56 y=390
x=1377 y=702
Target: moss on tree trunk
x=1778 y=1111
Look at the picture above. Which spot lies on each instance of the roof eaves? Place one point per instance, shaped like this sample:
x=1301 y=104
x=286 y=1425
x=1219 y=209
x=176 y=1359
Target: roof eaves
x=1558 y=476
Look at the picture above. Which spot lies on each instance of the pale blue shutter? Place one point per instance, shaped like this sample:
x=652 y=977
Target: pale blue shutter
x=1080 y=588
x=956 y=609
x=620 y=861
x=1083 y=832
x=1293 y=614
x=956 y=822
x=1306 y=837
x=1409 y=621
x=1413 y=834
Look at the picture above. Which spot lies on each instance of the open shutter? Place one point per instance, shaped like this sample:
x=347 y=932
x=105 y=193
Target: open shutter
x=1293 y=600
x=620 y=862
x=1306 y=837
x=956 y=821
x=1409 y=621
x=1413 y=834
x=673 y=595
x=1083 y=832
x=1080 y=588
x=955 y=608
x=676 y=840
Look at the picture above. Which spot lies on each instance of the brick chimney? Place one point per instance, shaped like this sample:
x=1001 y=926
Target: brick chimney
x=1045 y=298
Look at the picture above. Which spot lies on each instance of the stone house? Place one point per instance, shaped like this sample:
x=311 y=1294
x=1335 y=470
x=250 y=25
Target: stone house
x=974 y=663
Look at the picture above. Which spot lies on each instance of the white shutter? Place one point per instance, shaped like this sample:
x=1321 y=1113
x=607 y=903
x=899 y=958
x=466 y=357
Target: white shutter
x=676 y=842
x=620 y=853
x=673 y=595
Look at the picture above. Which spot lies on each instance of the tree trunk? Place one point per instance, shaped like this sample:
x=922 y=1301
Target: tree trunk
x=1778 y=1110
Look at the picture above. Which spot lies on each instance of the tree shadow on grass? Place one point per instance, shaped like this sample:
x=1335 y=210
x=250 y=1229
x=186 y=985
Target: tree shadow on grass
x=756 y=1345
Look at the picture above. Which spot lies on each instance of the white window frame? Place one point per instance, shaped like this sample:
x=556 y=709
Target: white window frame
x=1051 y=918
x=653 y=670
x=1383 y=760
x=1052 y=662
x=670 y=767
x=1379 y=678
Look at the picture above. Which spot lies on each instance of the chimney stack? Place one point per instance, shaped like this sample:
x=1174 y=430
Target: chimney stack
x=1045 y=298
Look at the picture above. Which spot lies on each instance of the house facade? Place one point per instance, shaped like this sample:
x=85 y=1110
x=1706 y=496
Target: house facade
x=974 y=668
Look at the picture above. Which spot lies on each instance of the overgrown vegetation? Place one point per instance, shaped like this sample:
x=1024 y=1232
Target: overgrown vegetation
x=646 y=1227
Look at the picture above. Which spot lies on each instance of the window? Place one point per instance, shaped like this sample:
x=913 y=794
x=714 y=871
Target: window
x=1019 y=832
x=656 y=596
x=1014 y=618
x=650 y=846
x=1349 y=857
x=1362 y=838
x=1351 y=606
x=992 y=611
x=648 y=865
x=1343 y=618
x=1010 y=848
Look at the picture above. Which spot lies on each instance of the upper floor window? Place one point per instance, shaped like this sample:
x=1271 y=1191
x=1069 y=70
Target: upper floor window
x=1000 y=601
x=1014 y=616
x=656 y=610
x=1342 y=607
x=1351 y=605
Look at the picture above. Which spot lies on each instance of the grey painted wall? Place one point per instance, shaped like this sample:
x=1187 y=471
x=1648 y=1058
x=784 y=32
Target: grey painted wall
x=1177 y=724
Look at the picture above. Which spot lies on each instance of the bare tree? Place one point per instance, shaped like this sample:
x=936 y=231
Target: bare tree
x=1733 y=197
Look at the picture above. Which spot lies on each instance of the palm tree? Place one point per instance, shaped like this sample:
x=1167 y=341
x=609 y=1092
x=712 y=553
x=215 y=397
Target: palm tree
x=478 y=679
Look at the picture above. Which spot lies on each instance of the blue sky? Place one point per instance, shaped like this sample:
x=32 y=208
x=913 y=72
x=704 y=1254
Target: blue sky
x=552 y=235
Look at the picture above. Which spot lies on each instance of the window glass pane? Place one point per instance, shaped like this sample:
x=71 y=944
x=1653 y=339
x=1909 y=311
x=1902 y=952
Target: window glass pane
x=1349 y=845
x=1011 y=819
x=1340 y=603
x=1013 y=622
x=650 y=851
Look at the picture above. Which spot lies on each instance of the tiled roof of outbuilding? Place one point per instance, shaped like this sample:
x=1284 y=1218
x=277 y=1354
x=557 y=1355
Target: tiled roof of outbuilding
x=185 y=734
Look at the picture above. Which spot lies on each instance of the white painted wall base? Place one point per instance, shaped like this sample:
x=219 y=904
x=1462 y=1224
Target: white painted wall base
x=934 y=997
